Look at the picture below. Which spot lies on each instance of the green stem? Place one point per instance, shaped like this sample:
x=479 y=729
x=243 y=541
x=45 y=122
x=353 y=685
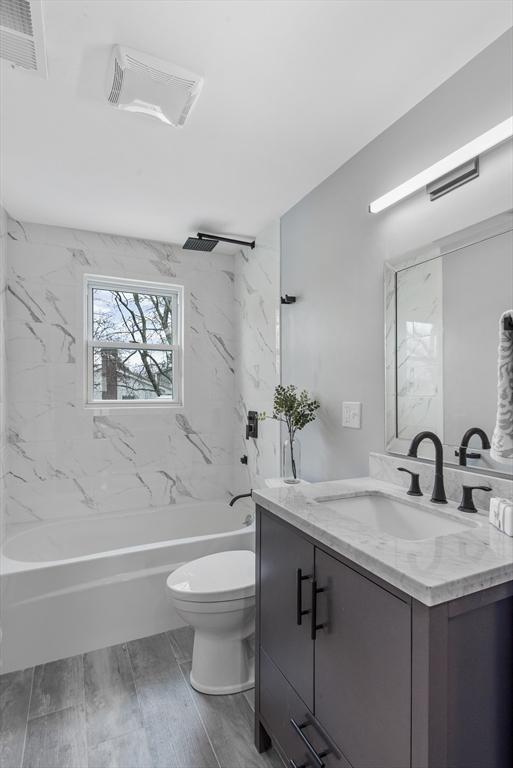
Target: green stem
x=292 y=460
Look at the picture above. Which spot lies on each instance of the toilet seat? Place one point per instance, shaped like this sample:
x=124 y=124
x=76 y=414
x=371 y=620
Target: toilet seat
x=220 y=577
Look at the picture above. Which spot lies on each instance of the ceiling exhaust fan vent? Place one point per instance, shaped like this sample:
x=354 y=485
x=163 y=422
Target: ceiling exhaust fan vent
x=116 y=83
x=22 y=35
x=138 y=82
x=15 y=15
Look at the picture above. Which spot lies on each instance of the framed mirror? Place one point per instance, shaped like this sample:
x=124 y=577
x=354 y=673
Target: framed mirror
x=443 y=304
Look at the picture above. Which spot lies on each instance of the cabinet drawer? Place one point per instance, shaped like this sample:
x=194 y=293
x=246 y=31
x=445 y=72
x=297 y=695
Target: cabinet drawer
x=280 y=707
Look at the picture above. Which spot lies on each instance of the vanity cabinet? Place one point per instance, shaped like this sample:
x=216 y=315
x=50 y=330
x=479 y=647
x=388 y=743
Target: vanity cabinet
x=342 y=645
x=353 y=673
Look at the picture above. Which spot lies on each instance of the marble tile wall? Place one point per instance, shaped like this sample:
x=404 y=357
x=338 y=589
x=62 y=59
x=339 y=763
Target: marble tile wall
x=384 y=467
x=257 y=322
x=66 y=460
x=3 y=380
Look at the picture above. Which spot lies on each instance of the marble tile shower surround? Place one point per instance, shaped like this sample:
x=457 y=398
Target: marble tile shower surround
x=384 y=467
x=67 y=460
x=3 y=381
x=257 y=322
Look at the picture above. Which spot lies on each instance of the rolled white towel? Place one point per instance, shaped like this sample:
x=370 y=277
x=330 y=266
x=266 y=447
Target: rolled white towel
x=502 y=439
x=501 y=514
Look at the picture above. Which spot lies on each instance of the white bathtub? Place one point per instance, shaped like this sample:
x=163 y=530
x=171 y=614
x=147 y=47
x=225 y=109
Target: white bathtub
x=73 y=586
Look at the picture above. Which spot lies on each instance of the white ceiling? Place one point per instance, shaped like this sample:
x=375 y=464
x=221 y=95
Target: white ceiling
x=292 y=90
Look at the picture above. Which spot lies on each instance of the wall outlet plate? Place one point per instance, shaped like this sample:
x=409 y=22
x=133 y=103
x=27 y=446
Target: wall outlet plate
x=352 y=415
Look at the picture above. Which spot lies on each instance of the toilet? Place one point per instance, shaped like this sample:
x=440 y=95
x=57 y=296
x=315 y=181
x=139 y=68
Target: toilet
x=216 y=596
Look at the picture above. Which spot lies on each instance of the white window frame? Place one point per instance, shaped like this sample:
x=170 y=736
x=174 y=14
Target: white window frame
x=137 y=286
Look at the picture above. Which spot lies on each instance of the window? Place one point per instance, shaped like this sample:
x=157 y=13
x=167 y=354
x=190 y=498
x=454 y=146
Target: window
x=134 y=347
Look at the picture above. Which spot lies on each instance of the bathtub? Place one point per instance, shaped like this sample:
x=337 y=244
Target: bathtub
x=69 y=587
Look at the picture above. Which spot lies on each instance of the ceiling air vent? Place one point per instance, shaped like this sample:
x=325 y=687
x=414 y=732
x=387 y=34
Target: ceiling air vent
x=138 y=82
x=22 y=35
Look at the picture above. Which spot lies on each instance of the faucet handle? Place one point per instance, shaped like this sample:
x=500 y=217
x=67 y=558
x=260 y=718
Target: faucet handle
x=414 y=489
x=467 y=501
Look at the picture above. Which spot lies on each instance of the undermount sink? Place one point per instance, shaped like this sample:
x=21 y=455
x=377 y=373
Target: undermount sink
x=397 y=518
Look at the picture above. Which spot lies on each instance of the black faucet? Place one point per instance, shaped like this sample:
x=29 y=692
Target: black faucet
x=240 y=496
x=438 y=496
x=462 y=453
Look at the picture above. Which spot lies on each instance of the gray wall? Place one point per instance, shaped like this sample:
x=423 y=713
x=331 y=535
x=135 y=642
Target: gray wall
x=333 y=251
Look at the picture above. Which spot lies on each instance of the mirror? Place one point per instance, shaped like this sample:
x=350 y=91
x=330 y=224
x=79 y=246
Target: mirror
x=443 y=304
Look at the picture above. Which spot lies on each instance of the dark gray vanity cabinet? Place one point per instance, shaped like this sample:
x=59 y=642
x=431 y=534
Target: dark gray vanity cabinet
x=352 y=681
x=353 y=673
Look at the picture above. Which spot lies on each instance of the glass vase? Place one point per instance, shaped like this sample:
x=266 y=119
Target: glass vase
x=291 y=461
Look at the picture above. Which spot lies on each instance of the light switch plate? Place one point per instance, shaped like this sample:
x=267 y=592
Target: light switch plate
x=352 y=415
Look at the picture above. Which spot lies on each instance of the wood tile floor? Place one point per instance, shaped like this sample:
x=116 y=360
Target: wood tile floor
x=128 y=706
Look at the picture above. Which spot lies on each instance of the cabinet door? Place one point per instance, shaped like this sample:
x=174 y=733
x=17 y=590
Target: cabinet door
x=282 y=553
x=362 y=667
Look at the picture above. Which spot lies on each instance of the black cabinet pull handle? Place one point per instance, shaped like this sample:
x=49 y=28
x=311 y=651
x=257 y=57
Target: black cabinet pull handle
x=314 y=626
x=299 y=596
x=317 y=756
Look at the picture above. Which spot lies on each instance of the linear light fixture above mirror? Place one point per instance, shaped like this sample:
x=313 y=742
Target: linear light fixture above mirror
x=474 y=148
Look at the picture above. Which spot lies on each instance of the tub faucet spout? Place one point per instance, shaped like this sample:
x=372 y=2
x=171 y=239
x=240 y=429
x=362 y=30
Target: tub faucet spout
x=240 y=496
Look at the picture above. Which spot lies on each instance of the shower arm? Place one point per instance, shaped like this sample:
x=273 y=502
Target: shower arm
x=204 y=236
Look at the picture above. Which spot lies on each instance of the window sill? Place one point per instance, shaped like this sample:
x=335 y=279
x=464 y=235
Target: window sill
x=130 y=406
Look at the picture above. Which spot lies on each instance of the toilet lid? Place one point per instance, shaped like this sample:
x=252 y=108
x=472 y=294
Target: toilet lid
x=222 y=576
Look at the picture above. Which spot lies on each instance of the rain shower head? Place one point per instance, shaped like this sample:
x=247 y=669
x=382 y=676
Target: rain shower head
x=204 y=242
x=199 y=244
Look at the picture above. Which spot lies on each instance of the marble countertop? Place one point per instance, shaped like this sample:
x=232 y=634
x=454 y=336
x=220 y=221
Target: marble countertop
x=430 y=570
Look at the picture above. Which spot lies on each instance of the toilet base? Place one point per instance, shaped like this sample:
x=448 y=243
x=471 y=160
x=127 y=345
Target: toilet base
x=221 y=666
x=223 y=690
